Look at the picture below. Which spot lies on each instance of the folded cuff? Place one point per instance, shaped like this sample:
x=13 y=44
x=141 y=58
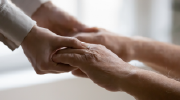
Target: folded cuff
x=29 y=6
x=15 y=25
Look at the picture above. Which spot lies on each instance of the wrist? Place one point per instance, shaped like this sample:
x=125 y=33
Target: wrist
x=30 y=36
x=139 y=46
x=126 y=50
x=126 y=76
x=127 y=81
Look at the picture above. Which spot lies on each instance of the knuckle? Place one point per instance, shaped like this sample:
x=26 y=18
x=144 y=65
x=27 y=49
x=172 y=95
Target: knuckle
x=74 y=40
x=101 y=37
x=71 y=55
x=99 y=46
x=90 y=57
x=46 y=29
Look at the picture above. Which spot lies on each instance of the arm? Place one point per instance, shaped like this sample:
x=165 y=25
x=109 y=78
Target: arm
x=38 y=43
x=162 y=57
x=29 y=6
x=14 y=24
x=48 y=15
x=108 y=71
x=147 y=85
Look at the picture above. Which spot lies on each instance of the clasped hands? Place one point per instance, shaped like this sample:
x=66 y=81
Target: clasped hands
x=93 y=61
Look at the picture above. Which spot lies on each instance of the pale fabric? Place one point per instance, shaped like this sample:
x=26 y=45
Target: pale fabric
x=14 y=24
x=29 y=6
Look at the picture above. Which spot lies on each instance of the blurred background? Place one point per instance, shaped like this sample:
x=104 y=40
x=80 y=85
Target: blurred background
x=155 y=19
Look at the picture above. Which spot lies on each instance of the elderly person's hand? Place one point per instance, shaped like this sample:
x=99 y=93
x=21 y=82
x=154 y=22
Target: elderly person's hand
x=53 y=18
x=98 y=63
x=120 y=45
x=40 y=43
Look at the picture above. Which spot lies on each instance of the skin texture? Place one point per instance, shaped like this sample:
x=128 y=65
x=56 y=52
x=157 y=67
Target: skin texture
x=120 y=45
x=40 y=43
x=104 y=67
x=97 y=62
x=110 y=72
x=61 y=23
x=53 y=18
x=162 y=57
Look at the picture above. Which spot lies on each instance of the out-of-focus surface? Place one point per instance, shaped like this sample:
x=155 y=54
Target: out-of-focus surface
x=176 y=22
x=63 y=89
x=149 y=18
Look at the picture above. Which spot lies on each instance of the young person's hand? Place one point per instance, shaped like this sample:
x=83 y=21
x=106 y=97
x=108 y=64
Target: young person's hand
x=53 y=18
x=40 y=43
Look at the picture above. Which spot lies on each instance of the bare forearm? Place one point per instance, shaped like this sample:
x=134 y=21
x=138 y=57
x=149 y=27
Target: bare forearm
x=160 y=56
x=146 y=85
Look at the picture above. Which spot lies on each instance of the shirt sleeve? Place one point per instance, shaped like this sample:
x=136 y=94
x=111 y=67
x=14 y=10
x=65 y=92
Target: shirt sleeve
x=29 y=6
x=14 y=24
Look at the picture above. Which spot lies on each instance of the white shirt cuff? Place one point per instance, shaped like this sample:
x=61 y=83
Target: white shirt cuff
x=29 y=6
x=15 y=25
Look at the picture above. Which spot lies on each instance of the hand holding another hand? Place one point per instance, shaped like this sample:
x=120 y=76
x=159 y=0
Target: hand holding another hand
x=97 y=63
x=120 y=45
x=53 y=18
x=40 y=43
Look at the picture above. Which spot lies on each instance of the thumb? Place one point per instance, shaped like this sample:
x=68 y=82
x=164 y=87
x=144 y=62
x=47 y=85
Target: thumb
x=69 y=42
x=71 y=59
x=79 y=73
x=88 y=38
x=61 y=42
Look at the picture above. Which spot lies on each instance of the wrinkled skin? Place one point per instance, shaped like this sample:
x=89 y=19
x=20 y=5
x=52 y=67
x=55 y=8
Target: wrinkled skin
x=53 y=18
x=120 y=45
x=38 y=46
x=98 y=63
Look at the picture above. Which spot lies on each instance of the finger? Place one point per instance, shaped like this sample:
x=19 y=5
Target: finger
x=68 y=42
x=65 y=68
x=64 y=31
x=76 y=51
x=89 y=38
x=58 y=30
x=46 y=72
x=79 y=73
x=54 y=72
x=93 y=29
x=69 y=58
x=60 y=68
x=85 y=45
